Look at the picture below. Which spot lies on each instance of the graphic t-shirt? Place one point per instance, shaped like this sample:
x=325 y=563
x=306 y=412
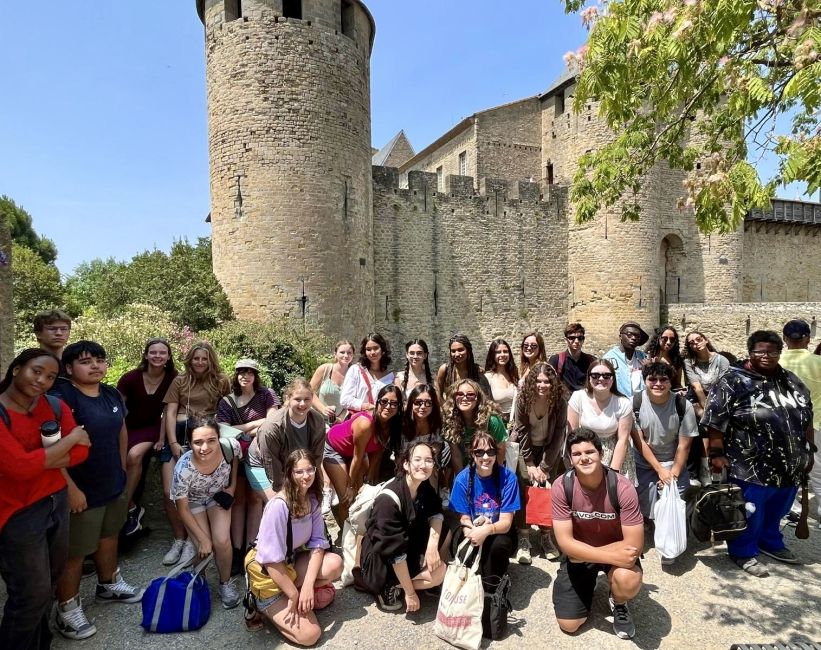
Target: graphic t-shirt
x=486 y=499
x=595 y=522
x=764 y=420
x=189 y=483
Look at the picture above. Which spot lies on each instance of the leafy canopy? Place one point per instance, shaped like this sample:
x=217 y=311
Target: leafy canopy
x=699 y=84
x=36 y=286
x=22 y=231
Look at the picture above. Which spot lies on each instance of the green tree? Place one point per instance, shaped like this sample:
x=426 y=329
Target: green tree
x=699 y=84
x=22 y=230
x=101 y=284
x=36 y=286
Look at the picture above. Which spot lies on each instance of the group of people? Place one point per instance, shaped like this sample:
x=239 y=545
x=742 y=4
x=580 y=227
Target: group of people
x=249 y=478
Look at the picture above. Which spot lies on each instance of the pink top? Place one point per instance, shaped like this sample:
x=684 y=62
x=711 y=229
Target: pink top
x=340 y=436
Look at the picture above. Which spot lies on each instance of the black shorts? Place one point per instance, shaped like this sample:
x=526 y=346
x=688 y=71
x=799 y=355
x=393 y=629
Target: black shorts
x=574 y=587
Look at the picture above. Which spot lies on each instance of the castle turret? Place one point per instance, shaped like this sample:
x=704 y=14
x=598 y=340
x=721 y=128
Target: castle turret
x=288 y=85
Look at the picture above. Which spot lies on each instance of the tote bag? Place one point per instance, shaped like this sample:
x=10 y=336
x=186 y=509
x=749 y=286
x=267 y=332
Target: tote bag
x=179 y=602
x=459 y=616
x=539 y=508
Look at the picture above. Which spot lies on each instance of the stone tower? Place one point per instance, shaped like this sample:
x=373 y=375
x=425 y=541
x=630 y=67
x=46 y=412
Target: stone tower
x=288 y=86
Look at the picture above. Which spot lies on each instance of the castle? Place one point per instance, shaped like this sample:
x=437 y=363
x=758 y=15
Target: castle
x=474 y=233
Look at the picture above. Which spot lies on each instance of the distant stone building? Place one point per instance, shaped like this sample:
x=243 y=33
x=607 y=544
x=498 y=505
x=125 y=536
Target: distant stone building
x=474 y=232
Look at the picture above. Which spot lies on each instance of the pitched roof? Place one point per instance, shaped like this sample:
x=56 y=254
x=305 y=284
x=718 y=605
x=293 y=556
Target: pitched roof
x=399 y=146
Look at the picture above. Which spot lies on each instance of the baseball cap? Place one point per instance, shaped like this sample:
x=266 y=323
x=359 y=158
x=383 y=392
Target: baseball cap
x=796 y=329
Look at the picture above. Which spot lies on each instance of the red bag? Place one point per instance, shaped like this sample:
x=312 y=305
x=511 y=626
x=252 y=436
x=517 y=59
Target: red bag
x=539 y=509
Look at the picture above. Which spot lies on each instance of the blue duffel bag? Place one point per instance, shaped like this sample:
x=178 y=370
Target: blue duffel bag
x=179 y=602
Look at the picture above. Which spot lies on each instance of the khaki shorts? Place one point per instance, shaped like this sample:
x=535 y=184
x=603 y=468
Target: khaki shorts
x=87 y=528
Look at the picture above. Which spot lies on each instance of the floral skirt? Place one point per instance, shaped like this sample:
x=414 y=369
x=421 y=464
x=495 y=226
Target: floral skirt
x=628 y=467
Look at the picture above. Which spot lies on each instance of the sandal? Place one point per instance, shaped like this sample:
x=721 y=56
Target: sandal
x=752 y=566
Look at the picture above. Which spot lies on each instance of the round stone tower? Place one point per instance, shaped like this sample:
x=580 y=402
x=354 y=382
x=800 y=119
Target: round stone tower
x=288 y=85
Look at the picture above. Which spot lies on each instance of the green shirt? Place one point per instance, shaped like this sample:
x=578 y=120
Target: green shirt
x=807 y=366
x=496 y=428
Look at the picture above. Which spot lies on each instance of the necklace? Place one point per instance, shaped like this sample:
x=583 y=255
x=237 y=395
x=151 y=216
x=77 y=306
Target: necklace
x=152 y=384
x=26 y=409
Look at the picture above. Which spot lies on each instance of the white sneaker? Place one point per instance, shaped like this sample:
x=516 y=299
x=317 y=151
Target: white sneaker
x=71 y=620
x=523 y=552
x=445 y=494
x=119 y=591
x=229 y=594
x=327 y=500
x=188 y=553
x=173 y=555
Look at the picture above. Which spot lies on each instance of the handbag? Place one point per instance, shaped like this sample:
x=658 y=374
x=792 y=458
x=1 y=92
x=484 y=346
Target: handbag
x=179 y=602
x=539 y=506
x=720 y=511
x=496 y=608
x=459 y=615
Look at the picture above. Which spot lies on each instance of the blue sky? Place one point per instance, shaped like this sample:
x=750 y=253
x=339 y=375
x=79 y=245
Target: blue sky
x=103 y=135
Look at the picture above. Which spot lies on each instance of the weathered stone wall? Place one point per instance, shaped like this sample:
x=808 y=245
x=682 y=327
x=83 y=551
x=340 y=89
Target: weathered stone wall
x=6 y=301
x=482 y=263
x=782 y=262
x=289 y=145
x=447 y=156
x=728 y=326
x=509 y=141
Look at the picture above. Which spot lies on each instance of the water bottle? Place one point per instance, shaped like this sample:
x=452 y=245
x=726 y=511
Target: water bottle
x=50 y=433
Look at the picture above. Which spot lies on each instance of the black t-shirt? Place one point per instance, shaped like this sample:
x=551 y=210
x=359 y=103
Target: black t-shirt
x=573 y=373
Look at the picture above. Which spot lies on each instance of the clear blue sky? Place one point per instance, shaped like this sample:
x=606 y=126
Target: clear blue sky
x=103 y=119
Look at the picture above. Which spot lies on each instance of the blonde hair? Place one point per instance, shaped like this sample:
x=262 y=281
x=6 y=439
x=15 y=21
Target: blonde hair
x=213 y=380
x=298 y=383
x=453 y=423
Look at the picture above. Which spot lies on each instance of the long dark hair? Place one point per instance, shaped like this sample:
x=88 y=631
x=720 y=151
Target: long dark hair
x=524 y=363
x=474 y=371
x=588 y=387
x=391 y=435
x=169 y=365
x=291 y=487
x=428 y=378
x=384 y=360
x=653 y=348
x=237 y=389
x=689 y=352
x=510 y=367
x=27 y=355
x=434 y=419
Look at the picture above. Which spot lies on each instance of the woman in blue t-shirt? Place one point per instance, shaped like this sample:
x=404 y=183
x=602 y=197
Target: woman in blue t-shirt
x=486 y=495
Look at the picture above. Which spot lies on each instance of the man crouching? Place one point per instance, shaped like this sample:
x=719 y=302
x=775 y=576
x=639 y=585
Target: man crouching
x=599 y=527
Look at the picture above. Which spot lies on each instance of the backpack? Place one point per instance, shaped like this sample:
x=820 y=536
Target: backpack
x=681 y=407
x=259 y=583
x=53 y=401
x=354 y=527
x=719 y=510
x=611 y=479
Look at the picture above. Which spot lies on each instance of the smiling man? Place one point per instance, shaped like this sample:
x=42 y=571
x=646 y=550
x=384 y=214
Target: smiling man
x=599 y=528
x=627 y=359
x=759 y=419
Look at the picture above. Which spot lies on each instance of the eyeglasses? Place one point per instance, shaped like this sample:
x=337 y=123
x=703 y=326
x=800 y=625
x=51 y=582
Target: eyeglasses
x=310 y=471
x=575 y=337
x=423 y=402
x=760 y=354
x=601 y=375
x=479 y=453
x=422 y=461
x=388 y=403
x=465 y=397
x=530 y=346
x=631 y=334
x=667 y=339
x=657 y=380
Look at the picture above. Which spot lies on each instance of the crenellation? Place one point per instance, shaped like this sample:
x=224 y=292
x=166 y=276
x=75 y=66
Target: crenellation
x=459 y=185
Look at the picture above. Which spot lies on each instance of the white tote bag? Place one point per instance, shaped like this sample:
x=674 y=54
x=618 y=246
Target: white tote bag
x=671 y=526
x=459 y=617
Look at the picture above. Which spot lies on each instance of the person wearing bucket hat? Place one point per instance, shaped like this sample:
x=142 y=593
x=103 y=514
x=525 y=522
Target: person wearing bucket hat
x=627 y=359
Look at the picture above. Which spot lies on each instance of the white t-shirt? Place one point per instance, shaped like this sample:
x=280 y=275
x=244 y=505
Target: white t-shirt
x=606 y=423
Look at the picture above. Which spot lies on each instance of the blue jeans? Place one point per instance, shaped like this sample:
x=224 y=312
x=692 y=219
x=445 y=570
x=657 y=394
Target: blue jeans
x=763 y=530
x=33 y=552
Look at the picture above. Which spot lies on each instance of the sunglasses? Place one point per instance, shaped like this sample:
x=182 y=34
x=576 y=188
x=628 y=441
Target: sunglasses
x=530 y=346
x=465 y=397
x=479 y=453
x=601 y=375
x=667 y=339
x=388 y=403
x=657 y=380
x=423 y=402
x=575 y=337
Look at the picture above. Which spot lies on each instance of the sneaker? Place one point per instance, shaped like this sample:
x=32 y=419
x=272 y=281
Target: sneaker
x=622 y=621
x=445 y=494
x=327 y=500
x=71 y=620
x=388 y=599
x=523 y=552
x=188 y=553
x=133 y=522
x=173 y=555
x=782 y=555
x=119 y=591
x=694 y=482
x=229 y=594
x=548 y=546
x=752 y=566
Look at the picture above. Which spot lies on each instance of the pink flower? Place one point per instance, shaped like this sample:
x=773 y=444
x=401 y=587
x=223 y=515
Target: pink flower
x=589 y=16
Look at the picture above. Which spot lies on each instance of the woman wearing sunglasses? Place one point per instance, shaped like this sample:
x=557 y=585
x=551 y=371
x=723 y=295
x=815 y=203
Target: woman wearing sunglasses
x=602 y=408
x=422 y=422
x=664 y=346
x=467 y=410
x=357 y=445
x=486 y=496
x=402 y=550
x=532 y=352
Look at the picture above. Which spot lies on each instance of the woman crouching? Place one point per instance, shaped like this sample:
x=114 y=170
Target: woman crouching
x=403 y=544
x=289 y=571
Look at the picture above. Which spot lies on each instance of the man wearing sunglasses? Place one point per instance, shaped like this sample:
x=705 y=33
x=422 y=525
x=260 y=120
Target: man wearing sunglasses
x=571 y=364
x=759 y=419
x=627 y=359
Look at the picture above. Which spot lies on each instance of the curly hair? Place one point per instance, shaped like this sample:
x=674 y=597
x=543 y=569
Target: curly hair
x=556 y=398
x=510 y=367
x=452 y=421
x=428 y=377
x=653 y=348
x=291 y=488
x=213 y=380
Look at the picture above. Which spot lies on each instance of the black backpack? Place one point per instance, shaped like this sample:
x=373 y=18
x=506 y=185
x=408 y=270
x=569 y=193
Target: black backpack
x=610 y=476
x=720 y=511
x=681 y=407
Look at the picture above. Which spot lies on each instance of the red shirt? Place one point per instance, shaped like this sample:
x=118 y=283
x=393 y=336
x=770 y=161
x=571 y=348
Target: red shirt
x=24 y=480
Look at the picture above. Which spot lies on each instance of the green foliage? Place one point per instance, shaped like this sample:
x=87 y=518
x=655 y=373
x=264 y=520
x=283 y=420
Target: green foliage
x=36 y=286
x=697 y=83
x=23 y=233
x=181 y=282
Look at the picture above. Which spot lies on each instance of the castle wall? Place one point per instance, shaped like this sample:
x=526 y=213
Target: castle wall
x=509 y=141
x=6 y=301
x=782 y=262
x=447 y=156
x=289 y=145
x=728 y=326
x=482 y=264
